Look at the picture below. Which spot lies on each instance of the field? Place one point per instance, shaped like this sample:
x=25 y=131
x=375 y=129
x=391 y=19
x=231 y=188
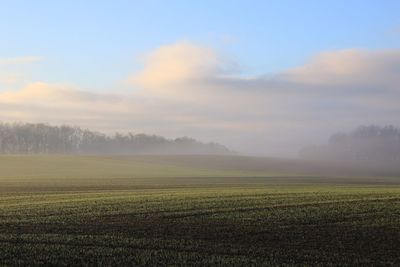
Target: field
x=196 y=210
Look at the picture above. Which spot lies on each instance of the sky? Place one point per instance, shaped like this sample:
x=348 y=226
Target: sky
x=262 y=77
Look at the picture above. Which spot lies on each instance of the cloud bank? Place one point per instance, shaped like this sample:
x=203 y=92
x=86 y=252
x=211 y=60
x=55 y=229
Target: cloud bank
x=188 y=89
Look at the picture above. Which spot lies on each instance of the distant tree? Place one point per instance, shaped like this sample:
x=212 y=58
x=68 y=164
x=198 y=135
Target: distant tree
x=372 y=143
x=18 y=138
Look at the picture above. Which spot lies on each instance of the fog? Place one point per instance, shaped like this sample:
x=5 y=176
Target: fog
x=367 y=151
x=366 y=143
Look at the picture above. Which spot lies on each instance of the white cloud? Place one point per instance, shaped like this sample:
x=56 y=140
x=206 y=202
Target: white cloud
x=350 y=67
x=169 y=67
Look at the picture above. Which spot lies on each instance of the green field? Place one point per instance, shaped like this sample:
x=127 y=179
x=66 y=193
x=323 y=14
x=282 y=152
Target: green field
x=196 y=210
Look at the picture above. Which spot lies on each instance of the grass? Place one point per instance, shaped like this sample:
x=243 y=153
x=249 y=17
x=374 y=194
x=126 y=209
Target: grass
x=182 y=212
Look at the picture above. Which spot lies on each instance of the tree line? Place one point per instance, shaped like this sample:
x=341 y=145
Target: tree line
x=32 y=138
x=372 y=143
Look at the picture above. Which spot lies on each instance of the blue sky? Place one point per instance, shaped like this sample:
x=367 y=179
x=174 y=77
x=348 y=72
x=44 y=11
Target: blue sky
x=95 y=43
x=302 y=69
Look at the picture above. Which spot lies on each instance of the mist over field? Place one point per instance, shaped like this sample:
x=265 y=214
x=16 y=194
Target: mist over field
x=365 y=143
x=200 y=133
x=368 y=144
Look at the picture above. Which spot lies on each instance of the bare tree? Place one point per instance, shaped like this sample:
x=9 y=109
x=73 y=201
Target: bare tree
x=42 y=138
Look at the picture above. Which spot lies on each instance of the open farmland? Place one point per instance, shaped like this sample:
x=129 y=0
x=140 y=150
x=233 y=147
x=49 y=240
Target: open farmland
x=152 y=210
x=70 y=173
